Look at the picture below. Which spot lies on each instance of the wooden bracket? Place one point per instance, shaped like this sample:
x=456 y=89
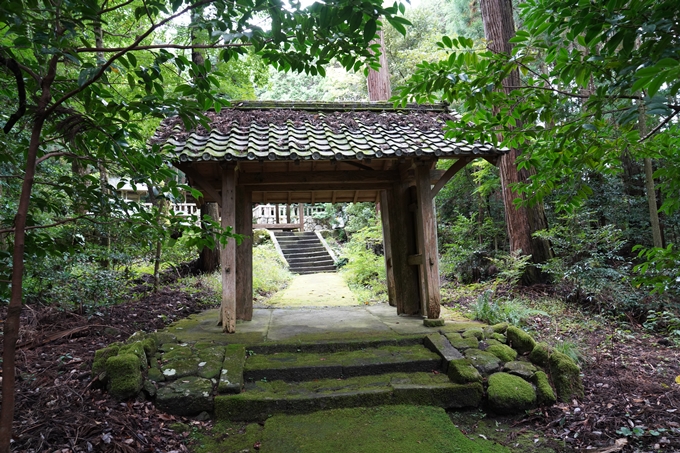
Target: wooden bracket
x=446 y=177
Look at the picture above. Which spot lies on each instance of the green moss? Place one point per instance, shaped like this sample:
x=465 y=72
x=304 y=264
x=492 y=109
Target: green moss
x=499 y=337
x=540 y=354
x=509 y=394
x=520 y=340
x=211 y=359
x=474 y=332
x=231 y=376
x=124 y=376
x=544 y=391
x=261 y=399
x=155 y=375
x=503 y=352
x=461 y=371
x=463 y=343
x=397 y=429
x=136 y=348
x=226 y=436
x=150 y=346
x=491 y=342
x=179 y=427
x=101 y=356
x=500 y=328
x=165 y=337
x=187 y=396
x=566 y=376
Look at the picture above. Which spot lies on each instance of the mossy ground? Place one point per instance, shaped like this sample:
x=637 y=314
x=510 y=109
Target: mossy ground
x=394 y=429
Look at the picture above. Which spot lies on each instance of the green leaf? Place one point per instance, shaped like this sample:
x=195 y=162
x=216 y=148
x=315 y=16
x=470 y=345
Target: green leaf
x=132 y=59
x=369 y=30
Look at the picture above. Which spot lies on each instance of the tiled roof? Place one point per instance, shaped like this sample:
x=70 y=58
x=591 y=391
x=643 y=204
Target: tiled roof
x=296 y=130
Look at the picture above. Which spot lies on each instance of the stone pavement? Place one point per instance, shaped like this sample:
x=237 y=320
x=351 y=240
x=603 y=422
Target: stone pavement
x=310 y=325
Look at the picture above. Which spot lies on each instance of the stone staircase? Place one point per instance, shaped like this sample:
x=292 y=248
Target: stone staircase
x=304 y=252
x=304 y=378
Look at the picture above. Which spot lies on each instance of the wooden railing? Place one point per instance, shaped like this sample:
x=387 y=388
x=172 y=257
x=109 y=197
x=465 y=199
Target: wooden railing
x=283 y=216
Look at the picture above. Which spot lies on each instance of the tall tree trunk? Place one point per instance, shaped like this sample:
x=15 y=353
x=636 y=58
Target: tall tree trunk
x=209 y=259
x=521 y=221
x=379 y=81
x=657 y=239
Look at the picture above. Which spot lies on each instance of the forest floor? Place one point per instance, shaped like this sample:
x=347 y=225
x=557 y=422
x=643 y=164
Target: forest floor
x=631 y=404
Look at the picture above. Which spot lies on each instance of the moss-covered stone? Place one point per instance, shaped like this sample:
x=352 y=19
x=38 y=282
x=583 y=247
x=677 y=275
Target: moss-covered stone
x=499 y=337
x=453 y=335
x=503 y=352
x=124 y=376
x=520 y=340
x=179 y=368
x=474 y=332
x=500 y=327
x=566 y=376
x=165 y=337
x=484 y=345
x=231 y=376
x=461 y=371
x=508 y=394
x=525 y=370
x=540 y=354
x=101 y=356
x=178 y=352
x=544 y=392
x=211 y=359
x=155 y=375
x=136 y=348
x=187 y=396
x=149 y=388
x=485 y=362
x=438 y=322
x=463 y=343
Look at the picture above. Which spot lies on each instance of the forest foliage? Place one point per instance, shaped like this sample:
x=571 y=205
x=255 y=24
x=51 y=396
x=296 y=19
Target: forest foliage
x=83 y=85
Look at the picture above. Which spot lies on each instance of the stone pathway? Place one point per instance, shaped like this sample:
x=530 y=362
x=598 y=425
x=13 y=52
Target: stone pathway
x=315 y=290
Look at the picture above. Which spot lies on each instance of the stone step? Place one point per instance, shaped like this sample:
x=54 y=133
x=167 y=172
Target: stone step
x=313 y=269
x=305 y=257
x=305 y=366
x=287 y=250
x=261 y=399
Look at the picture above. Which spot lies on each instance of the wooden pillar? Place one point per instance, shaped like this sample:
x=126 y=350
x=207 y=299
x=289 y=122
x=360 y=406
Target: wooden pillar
x=288 y=213
x=426 y=237
x=278 y=220
x=244 y=254
x=301 y=216
x=387 y=247
x=402 y=245
x=228 y=251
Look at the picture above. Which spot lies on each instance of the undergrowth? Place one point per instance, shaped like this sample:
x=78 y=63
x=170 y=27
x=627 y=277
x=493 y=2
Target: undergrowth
x=364 y=270
x=269 y=271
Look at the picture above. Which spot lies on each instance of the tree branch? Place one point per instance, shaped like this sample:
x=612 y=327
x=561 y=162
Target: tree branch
x=61 y=153
x=123 y=51
x=113 y=8
x=159 y=46
x=660 y=125
x=12 y=65
x=573 y=95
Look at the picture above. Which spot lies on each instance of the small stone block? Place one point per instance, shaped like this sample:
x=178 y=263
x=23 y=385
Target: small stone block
x=433 y=322
x=231 y=376
x=440 y=344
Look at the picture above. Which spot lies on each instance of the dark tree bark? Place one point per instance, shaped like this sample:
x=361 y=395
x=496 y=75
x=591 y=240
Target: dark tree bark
x=521 y=221
x=209 y=259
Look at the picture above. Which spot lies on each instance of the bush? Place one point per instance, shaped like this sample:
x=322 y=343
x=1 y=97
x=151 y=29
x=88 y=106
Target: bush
x=364 y=270
x=269 y=271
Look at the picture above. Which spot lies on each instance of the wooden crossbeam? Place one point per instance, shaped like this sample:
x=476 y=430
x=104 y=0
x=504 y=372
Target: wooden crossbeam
x=453 y=169
x=301 y=178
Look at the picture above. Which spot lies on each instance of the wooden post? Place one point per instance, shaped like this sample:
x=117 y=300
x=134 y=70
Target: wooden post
x=387 y=247
x=403 y=244
x=228 y=251
x=288 y=213
x=301 y=211
x=426 y=236
x=278 y=220
x=244 y=254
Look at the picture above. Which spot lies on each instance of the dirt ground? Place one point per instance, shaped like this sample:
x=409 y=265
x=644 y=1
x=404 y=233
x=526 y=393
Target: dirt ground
x=629 y=381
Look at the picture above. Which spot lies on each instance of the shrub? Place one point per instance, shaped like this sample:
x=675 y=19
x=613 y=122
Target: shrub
x=269 y=271
x=512 y=311
x=365 y=269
